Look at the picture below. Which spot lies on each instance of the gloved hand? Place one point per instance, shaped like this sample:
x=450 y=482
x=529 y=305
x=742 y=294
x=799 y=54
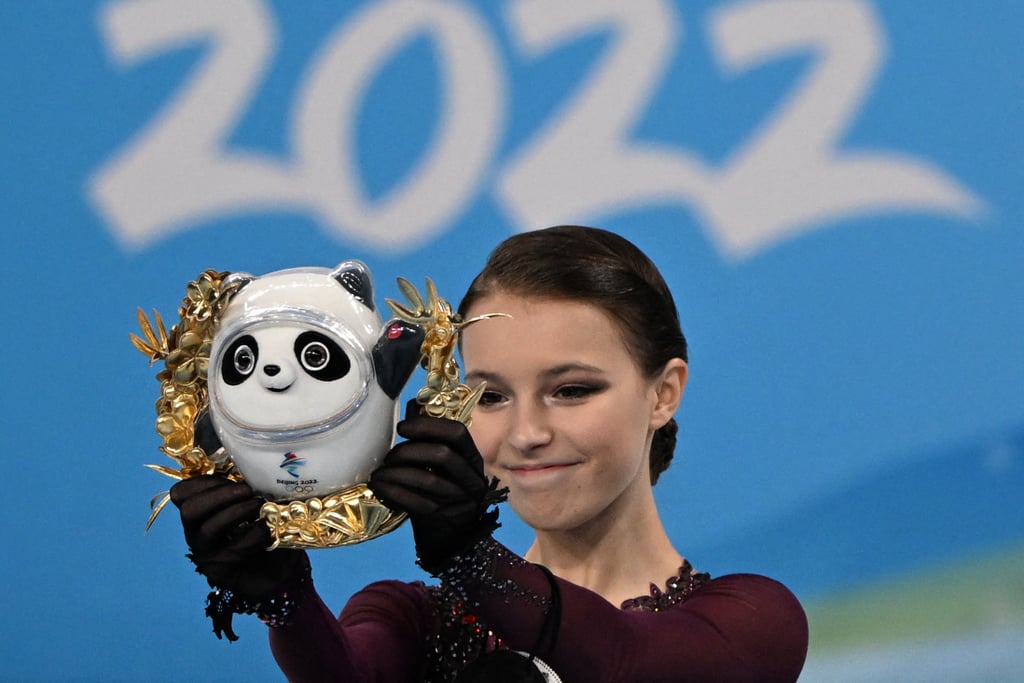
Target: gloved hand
x=228 y=543
x=437 y=477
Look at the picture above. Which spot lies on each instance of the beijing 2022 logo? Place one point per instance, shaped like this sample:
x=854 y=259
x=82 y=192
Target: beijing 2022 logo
x=292 y=463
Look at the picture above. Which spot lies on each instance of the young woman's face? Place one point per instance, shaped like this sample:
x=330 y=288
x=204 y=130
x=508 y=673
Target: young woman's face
x=567 y=417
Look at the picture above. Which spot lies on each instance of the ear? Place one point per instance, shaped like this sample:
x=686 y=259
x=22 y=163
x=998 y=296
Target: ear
x=668 y=391
x=354 y=276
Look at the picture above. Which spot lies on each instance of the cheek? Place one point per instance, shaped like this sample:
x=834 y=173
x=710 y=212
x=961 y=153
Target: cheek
x=619 y=434
x=486 y=436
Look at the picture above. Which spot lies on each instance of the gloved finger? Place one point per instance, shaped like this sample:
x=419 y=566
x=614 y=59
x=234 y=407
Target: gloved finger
x=451 y=433
x=449 y=475
x=459 y=510
x=438 y=459
x=418 y=426
x=249 y=537
x=209 y=500
x=213 y=531
x=412 y=409
x=423 y=482
x=402 y=498
x=194 y=486
x=200 y=497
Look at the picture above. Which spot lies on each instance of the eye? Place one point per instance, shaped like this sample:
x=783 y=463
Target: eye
x=490 y=398
x=244 y=360
x=239 y=360
x=575 y=392
x=314 y=356
x=321 y=357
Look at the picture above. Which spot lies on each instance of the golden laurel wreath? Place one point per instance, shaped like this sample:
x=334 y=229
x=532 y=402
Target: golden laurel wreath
x=346 y=517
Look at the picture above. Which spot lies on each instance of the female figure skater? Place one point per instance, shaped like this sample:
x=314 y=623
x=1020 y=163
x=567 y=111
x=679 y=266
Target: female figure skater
x=576 y=424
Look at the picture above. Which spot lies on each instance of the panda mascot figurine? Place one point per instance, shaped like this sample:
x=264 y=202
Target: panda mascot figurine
x=304 y=379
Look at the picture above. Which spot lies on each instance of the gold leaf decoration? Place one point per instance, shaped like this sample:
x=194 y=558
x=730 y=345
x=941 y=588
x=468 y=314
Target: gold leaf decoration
x=183 y=398
x=443 y=396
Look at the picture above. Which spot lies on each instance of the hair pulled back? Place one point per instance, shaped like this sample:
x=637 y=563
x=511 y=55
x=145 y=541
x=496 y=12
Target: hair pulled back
x=602 y=269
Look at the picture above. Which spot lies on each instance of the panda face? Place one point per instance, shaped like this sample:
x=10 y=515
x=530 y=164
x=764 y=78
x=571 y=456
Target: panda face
x=286 y=376
x=317 y=354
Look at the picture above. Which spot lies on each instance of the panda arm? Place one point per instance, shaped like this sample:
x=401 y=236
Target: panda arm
x=395 y=355
x=205 y=435
x=381 y=635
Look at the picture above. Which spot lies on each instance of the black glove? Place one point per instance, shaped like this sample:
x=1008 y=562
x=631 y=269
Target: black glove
x=437 y=477
x=228 y=543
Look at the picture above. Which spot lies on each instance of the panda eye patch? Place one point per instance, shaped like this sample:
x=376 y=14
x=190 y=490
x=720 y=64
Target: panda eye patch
x=321 y=357
x=239 y=360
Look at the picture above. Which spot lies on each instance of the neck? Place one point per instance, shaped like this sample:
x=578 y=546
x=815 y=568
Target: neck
x=616 y=556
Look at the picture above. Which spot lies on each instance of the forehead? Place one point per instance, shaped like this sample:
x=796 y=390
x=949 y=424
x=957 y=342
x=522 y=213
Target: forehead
x=539 y=331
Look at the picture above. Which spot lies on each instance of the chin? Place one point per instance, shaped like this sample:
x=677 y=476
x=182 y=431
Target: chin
x=547 y=518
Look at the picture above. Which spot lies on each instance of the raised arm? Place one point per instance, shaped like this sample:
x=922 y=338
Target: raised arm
x=737 y=628
x=380 y=636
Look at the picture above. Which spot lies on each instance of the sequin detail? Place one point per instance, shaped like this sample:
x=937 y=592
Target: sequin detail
x=677 y=589
x=461 y=636
x=275 y=612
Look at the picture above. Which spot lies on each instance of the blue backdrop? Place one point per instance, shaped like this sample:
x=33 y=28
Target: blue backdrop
x=831 y=187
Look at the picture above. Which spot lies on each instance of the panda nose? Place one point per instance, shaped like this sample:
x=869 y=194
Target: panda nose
x=271 y=369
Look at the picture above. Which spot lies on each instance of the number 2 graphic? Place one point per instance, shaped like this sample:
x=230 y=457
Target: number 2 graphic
x=787 y=177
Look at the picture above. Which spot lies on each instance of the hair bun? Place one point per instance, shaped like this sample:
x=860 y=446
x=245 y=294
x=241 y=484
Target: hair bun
x=663 y=446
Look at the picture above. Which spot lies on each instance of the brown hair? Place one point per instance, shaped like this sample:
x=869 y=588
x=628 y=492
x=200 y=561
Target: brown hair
x=603 y=269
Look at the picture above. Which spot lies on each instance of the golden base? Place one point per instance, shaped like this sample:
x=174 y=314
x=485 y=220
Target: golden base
x=343 y=518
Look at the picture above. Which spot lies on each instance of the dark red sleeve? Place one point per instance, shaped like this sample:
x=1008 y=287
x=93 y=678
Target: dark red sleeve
x=733 y=629
x=381 y=635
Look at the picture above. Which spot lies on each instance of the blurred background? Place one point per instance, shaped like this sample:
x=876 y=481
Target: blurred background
x=831 y=187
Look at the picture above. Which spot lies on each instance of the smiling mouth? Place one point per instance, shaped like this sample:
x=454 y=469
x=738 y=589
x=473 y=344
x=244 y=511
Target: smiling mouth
x=531 y=469
x=278 y=391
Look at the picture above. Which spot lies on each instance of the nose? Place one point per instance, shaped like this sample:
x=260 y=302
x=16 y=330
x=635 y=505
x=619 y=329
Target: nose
x=530 y=426
x=271 y=369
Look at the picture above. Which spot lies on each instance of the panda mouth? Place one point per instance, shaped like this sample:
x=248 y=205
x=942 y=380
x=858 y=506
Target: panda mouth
x=277 y=390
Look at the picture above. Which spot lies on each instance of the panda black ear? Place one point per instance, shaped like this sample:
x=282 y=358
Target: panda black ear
x=236 y=281
x=354 y=276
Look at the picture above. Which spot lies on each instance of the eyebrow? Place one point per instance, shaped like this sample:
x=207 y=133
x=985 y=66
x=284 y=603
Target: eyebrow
x=552 y=372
